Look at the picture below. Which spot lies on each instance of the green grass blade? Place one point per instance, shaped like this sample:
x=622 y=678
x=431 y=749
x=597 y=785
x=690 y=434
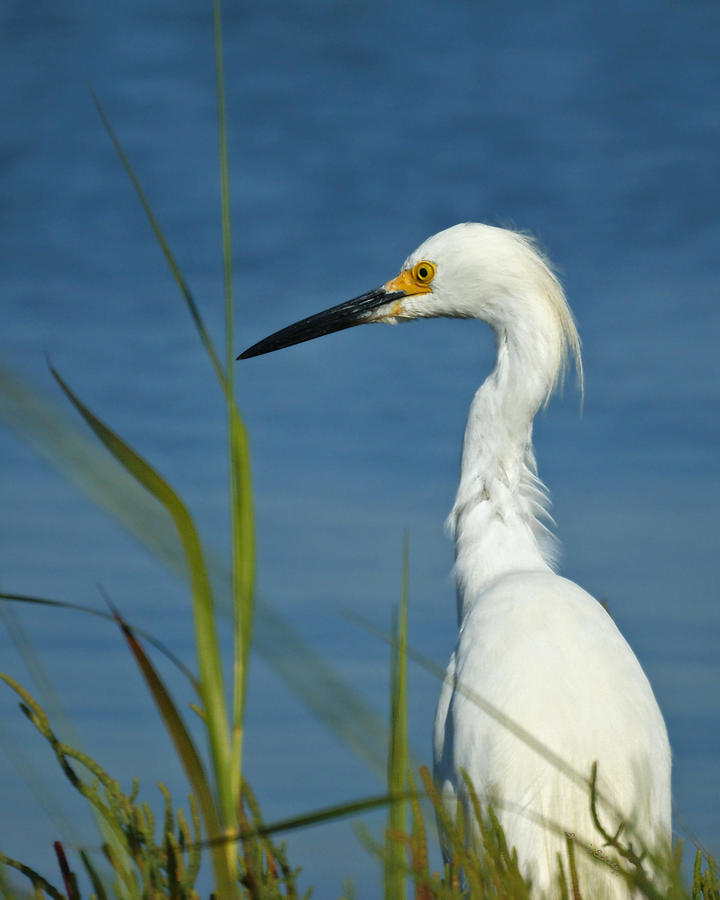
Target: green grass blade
x=97 y=885
x=316 y=817
x=209 y=664
x=101 y=614
x=188 y=755
x=38 y=882
x=418 y=835
x=171 y=261
x=242 y=525
x=243 y=574
x=60 y=442
x=398 y=756
x=224 y=193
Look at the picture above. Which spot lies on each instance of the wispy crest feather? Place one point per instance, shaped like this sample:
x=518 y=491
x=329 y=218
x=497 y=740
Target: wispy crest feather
x=570 y=339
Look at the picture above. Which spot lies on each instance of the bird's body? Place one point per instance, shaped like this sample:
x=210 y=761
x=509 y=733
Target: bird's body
x=544 y=652
x=541 y=683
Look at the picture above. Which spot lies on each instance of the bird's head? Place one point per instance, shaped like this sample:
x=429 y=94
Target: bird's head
x=467 y=271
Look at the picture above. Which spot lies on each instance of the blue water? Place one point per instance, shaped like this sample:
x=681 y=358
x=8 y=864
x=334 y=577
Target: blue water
x=356 y=130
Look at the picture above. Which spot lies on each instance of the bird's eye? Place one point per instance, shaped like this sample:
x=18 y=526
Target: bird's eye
x=423 y=272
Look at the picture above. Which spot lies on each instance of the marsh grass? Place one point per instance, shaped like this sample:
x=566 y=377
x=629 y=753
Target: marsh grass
x=158 y=851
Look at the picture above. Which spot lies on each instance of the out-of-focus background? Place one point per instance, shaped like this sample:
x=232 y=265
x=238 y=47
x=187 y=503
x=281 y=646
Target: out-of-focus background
x=356 y=130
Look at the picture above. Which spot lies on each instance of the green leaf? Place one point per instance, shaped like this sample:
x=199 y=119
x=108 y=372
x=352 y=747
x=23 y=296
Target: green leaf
x=37 y=881
x=208 y=653
x=101 y=614
x=171 y=261
x=317 y=816
x=187 y=753
x=398 y=756
x=95 y=880
x=241 y=511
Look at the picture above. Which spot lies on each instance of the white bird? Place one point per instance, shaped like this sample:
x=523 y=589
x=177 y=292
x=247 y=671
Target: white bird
x=531 y=644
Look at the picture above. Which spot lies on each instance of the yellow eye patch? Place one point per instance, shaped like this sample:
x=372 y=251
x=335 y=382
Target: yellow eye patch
x=414 y=281
x=423 y=272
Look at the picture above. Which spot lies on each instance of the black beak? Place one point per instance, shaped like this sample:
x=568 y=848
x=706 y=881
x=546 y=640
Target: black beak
x=345 y=315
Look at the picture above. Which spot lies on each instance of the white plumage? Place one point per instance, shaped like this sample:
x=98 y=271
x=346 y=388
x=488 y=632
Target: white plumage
x=531 y=644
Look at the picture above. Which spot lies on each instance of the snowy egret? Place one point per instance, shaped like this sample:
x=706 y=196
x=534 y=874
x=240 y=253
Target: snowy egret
x=532 y=644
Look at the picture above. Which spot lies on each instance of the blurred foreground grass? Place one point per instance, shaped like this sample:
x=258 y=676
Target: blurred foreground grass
x=159 y=853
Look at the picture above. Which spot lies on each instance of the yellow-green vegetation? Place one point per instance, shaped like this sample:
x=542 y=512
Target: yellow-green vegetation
x=158 y=852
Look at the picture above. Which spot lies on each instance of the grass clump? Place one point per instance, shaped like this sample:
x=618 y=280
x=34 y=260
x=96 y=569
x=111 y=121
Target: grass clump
x=142 y=857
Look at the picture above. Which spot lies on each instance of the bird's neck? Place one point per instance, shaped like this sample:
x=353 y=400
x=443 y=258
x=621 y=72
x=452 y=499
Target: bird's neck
x=501 y=505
